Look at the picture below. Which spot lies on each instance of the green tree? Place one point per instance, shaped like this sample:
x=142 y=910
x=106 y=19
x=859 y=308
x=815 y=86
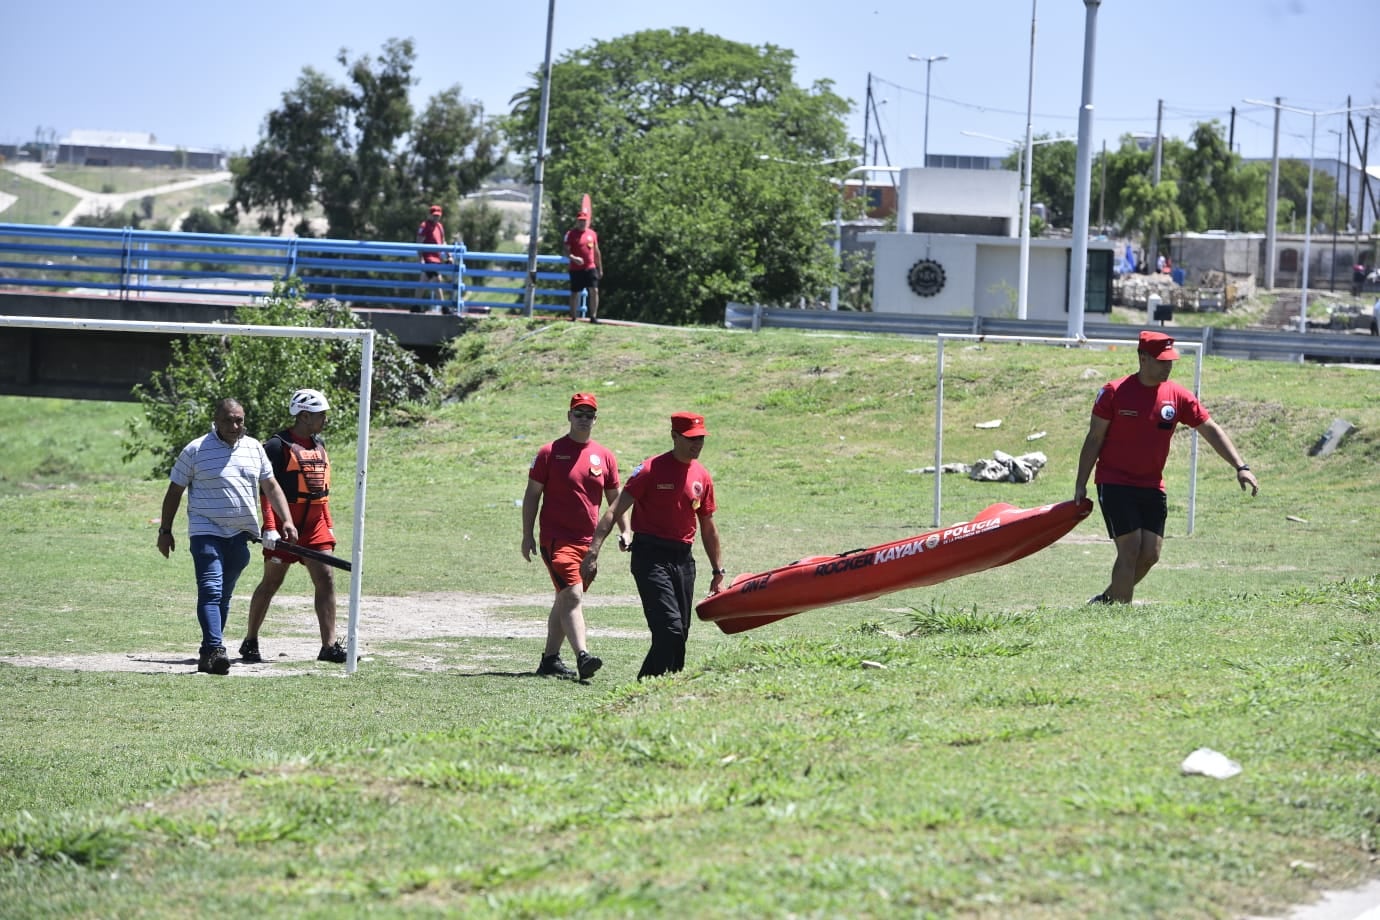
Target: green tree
x=359 y=153
x=1293 y=188
x=261 y=373
x=480 y=225
x=679 y=137
x=1151 y=209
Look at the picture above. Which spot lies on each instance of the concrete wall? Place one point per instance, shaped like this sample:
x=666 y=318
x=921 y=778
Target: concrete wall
x=981 y=275
x=938 y=197
x=81 y=364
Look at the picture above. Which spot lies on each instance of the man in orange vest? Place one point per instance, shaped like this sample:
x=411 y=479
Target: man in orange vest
x=302 y=469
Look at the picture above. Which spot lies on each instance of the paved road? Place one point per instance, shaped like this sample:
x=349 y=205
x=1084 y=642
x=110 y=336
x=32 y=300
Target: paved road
x=89 y=202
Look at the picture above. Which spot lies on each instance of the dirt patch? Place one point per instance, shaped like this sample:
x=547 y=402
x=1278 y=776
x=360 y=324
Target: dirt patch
x=290 y=639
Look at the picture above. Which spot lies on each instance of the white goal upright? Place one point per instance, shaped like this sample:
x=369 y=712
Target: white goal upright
x=1195 y=347
x=366 y=376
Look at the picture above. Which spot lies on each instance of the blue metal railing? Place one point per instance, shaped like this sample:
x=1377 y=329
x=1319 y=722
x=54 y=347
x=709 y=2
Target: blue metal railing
x=135 y=263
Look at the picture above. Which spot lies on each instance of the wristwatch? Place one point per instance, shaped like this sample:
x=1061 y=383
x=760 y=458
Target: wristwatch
x=1242 y=467
x=720 y=571
x=166 y=530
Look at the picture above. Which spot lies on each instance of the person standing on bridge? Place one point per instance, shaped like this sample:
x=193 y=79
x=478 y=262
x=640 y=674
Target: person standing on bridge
x=568 y=479
x=303 y=470
x=586 y=265
x=430 y=232
x=1133 y=420
x=222 y=474
x=669 y=495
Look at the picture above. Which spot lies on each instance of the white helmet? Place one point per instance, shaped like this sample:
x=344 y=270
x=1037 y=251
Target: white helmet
x=308 y=401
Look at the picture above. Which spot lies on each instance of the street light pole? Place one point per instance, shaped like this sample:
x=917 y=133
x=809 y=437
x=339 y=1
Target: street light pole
x=929 y=65
x=1336 y=201
x=1023 y=280
x=530 y=295
x=1023 y=275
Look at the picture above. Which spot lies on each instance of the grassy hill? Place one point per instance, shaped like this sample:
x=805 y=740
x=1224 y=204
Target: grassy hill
x=990 y=747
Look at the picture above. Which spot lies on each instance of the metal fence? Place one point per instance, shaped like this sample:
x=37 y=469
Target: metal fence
x=1230 y=343
x=138 y=263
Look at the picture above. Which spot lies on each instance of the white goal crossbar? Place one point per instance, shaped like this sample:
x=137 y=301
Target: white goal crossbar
x=1195 y=347
x=366 y=376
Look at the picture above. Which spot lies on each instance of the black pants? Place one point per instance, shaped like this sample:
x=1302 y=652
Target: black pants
x=664 y=571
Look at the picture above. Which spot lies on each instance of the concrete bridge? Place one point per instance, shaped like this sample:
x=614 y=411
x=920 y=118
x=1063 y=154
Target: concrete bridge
x=107 y=365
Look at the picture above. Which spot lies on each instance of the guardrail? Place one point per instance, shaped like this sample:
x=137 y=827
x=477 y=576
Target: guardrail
x=136 y=263
x=1230 y=343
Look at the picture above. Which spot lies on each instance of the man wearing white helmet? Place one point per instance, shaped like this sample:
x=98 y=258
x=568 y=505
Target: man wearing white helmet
x=302 y=469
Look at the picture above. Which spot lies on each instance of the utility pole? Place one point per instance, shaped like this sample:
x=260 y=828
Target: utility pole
x=1078 y=268
x=1152 y=255
x=538 y=173
x=1336 y=201
x=1272 y=206
x=867 y=115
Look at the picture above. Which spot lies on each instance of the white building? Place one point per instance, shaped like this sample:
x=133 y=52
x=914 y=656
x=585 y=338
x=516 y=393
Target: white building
x=956 y=252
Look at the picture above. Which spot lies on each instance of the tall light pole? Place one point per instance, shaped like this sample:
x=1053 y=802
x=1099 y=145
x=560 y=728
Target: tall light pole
x=1336 y=202
x=1082 y=180
x=929 y=65
x=1023 y=277
x=1023 y=283
x=537 y=176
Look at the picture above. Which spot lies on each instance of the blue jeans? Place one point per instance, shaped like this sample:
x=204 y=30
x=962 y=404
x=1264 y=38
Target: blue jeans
x=218 y=562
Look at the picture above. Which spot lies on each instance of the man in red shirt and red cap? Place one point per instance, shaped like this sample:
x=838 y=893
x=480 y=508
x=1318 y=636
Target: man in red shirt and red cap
x=431 y=233
x=568 y=479
x=1133 y=420
x=670 y=495
x=586 y=265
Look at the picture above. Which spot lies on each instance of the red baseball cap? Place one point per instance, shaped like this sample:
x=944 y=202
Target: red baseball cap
x=435 y=209
x=1158 y=346
x=688 y=424
x=584 y=399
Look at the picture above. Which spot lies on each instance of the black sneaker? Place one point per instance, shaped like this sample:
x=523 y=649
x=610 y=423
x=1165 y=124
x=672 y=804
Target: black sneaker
x=214 y=661
x=1100 y=599
x=552 y=666
x=588 y=664
x=249 y=652
x=334 y=653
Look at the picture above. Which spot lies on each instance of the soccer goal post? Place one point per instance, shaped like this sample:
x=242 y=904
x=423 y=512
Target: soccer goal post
x=941 y=338
x=366 y=376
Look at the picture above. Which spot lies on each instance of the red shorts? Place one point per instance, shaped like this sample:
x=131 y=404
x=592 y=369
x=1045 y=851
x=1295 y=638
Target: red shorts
x=313 y=533
x=563 y=564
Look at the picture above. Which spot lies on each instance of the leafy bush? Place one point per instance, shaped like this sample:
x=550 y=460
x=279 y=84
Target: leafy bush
x=262 y=373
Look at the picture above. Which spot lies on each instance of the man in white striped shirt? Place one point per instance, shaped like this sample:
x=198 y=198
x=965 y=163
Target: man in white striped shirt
x=222 y=473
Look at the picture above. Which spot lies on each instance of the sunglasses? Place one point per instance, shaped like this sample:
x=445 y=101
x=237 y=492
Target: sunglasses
x=580 y=414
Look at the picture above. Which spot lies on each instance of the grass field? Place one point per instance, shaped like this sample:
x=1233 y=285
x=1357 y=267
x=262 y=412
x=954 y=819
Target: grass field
x=119 y=180
x=1016 y=754
x=35 y=203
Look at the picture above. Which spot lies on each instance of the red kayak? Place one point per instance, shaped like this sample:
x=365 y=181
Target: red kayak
x=1000 y=534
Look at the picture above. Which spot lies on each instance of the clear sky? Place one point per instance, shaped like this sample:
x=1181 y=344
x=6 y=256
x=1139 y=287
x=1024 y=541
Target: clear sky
x=206 y=74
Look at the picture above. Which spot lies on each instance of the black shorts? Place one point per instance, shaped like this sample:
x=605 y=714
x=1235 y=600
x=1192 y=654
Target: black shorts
x=1130 y=508
x=584 y=279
